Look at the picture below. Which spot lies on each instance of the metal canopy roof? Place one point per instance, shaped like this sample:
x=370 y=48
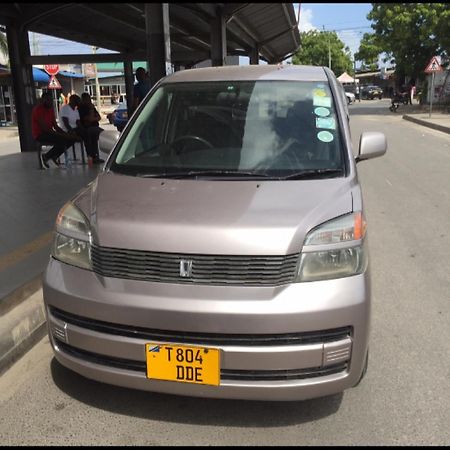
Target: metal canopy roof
x=120 y=27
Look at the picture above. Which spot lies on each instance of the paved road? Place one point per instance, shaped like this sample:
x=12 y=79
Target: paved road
x=405 y=397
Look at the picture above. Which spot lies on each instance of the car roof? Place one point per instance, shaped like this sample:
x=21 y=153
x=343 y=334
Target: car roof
x=249 y=72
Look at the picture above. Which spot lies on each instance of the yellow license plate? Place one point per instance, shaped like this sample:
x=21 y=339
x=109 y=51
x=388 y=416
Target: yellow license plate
x=183 y=363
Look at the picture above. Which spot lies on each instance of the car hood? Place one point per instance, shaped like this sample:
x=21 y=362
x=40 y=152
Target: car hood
x=210 y=216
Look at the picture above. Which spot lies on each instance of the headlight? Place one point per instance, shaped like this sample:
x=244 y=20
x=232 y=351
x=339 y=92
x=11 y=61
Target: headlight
x=334 y=249
x=72 y=243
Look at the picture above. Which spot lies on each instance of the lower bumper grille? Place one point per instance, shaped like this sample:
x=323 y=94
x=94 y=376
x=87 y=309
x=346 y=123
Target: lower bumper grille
x=225 y=374
x=249 y=340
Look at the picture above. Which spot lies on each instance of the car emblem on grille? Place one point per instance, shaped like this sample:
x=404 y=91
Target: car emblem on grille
x=186 y=268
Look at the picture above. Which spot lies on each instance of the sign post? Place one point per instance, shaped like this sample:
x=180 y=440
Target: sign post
x=52 y=70
x=432 y=67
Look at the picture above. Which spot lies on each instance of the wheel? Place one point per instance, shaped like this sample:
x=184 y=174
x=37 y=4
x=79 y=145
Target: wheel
x=192 y=138
x=366 y=365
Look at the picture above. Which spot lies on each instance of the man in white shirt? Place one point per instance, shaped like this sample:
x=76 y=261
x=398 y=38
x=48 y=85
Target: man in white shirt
x=69 y=118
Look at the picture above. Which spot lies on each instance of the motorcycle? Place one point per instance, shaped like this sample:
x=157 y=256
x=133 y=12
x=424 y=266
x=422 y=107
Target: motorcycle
x=397 y=98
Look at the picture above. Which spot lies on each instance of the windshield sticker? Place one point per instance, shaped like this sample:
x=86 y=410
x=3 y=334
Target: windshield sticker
x=321 y=112
x=325 y=136
x=319 y=92
x=322 y=101
x=326 y=122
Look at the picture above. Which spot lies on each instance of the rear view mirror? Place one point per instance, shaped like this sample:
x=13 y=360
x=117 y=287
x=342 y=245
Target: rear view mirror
x=371 y=145
x=107 y=140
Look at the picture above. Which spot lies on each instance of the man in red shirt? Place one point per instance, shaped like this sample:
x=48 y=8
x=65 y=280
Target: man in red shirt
x=46 y=131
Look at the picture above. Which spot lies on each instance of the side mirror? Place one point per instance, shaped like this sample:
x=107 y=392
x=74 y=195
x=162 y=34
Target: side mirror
x=371 y=145
x=107 y=140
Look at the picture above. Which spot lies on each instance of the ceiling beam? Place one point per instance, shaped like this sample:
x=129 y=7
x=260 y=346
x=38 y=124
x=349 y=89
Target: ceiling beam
x=87 y=58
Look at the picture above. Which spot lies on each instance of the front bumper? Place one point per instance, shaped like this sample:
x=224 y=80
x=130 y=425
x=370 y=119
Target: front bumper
x=290 y=342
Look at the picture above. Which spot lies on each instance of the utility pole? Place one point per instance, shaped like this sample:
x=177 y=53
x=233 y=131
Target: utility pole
x=97 y=85
x=329 y=50
x=354 y=76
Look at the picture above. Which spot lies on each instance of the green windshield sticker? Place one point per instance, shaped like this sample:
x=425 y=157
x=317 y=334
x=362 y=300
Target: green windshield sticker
x=322 y=101
x=326 y=122
x=325 y=136
x=322 y=112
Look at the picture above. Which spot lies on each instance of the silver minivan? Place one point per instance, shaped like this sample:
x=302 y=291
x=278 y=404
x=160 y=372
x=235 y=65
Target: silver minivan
x=222 y=250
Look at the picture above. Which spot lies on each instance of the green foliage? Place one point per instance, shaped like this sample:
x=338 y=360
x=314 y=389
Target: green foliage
x=369 y=50
x=314 y=51
x=410 y=33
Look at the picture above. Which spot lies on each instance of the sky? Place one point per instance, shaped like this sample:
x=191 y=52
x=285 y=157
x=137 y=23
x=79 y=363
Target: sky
x=347 y=19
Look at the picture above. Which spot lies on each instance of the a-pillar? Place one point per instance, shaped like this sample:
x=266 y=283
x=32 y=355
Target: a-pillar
x=23 y=84
x=254 y=54
x=157 y=28
x=218 y=39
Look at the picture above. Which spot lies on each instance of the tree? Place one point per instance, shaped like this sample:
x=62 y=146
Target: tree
x=409 y=33
x=314 y=51
x=369 y=51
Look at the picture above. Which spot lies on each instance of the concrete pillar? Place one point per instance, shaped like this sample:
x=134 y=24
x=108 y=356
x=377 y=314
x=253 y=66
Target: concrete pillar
x=129 y=83
x=254 y=54
x=23 y=83
x=218 y=39
x=157 y=40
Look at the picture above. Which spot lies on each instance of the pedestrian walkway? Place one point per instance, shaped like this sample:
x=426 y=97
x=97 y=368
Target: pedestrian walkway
x=438 y=120
x=30 y=199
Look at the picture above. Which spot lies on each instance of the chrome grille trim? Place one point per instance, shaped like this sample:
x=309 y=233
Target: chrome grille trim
x=206 y=269
x=225 y=374
x=215 y=339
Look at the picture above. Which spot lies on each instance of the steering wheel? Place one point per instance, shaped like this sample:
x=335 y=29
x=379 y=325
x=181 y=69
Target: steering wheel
x=192 y=138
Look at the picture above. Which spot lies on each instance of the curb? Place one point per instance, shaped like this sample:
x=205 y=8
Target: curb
x=426 y=123
x=20 y=328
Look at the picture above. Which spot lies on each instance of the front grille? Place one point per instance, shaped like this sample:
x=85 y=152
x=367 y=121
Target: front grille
x=212 y=339
x=225 y=374
x=206 y=269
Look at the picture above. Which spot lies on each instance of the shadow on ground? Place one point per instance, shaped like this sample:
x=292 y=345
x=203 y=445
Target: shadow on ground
x=189 y=410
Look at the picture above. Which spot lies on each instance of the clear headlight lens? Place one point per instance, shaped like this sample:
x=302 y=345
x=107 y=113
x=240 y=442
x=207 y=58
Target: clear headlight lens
x=338 y=260
x=71 y=244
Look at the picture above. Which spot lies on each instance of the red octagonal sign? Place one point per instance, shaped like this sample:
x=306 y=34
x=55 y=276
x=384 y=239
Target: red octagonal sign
x=51 y=69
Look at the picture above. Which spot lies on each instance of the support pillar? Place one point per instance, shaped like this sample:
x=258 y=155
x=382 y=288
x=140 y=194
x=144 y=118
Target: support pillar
x=23 y=83
x=218 y=39
x=157 y=40
x=129 y=83
x=254 y=54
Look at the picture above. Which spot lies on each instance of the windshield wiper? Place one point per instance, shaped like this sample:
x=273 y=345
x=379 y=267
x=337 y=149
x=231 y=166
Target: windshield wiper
x=313 y=173
x=206 y=172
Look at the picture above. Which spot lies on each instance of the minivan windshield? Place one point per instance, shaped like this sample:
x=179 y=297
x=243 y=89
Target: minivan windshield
x=256 y=129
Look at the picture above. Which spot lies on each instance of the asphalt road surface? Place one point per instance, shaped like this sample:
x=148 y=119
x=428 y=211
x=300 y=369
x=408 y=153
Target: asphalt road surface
x=405 y=397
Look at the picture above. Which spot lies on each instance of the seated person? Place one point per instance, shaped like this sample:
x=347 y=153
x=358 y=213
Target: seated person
x=46 y=131
x=89 y=118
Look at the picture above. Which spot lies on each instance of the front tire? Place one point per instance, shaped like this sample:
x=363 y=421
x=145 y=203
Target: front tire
x=366 y=365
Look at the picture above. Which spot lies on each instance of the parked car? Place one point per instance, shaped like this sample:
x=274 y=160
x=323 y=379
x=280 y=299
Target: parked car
x=120 y=117
x=350 y=96
x=222 y=250
x=371 y=92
